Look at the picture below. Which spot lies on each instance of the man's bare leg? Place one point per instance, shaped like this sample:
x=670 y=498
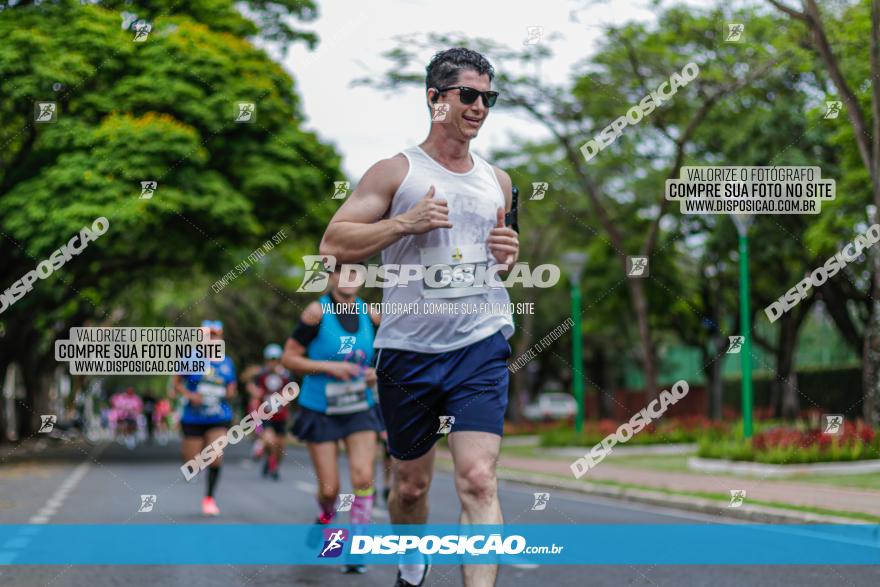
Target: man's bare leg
x=408 y=502
x=475 y=455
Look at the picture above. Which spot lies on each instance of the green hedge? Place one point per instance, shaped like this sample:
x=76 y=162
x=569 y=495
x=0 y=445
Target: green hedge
x=674 y=431
x=778 y=443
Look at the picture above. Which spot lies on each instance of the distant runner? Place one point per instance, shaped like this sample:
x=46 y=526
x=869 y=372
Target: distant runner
x=271 y=379
x=207 y=413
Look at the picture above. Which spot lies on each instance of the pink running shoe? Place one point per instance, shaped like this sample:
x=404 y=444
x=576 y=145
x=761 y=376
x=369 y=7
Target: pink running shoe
x=209 y=507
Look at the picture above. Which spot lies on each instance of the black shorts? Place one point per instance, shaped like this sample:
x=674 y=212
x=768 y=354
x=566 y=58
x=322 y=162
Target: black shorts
x=312 y=426
x=279 y=426
x=199 y=430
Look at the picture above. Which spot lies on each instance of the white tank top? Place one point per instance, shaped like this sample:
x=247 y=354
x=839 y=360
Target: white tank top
x=474 y=198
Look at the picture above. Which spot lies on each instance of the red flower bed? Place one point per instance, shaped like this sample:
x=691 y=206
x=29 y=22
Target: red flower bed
x=853 y=433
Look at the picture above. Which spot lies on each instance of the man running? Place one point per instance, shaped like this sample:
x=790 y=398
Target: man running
x=271 y=379
x=438 y=203
x=207 y=413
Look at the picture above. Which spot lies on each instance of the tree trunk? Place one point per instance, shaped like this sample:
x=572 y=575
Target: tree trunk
x=605 y=399
x=791 y=404
x=649 y=359
x=871 y=352
x=785 y=396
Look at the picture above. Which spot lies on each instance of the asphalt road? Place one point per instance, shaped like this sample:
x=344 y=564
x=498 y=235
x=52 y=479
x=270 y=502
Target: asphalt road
x=79 y=484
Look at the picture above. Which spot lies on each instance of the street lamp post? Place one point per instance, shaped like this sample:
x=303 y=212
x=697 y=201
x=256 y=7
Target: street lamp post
x=743 y=222
x=574 y=262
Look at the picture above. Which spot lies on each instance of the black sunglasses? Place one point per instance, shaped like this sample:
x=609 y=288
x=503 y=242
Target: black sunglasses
x=469 y=95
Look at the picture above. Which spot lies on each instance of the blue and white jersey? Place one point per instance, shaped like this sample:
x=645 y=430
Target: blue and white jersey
x=212 y=387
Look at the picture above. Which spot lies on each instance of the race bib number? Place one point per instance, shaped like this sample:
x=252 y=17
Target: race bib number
x=458 y=278
x=212 y=395
x=347 y=397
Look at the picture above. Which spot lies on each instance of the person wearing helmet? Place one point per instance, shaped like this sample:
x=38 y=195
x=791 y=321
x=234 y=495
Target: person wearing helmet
x=271 y=379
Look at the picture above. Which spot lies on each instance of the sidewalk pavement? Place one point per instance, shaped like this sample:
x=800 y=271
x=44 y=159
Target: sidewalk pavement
x=545 y=470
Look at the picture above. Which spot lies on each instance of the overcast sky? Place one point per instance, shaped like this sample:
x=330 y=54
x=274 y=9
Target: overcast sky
x=367 y=125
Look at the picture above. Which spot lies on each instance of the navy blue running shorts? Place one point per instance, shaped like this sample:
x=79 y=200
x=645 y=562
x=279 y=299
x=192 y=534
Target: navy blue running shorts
x=416 y=389
x=312 y=426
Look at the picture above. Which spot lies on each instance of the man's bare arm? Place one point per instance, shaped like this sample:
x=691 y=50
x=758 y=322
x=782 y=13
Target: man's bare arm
x=504 y=241
x=357 y=230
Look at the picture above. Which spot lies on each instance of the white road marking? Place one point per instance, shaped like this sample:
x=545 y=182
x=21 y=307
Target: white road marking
x=55 y=502
x=307 y=487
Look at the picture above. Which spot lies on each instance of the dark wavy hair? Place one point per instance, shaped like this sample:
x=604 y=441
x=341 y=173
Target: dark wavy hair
x=445 y=66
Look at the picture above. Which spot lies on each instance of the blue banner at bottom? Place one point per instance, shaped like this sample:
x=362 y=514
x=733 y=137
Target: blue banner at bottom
x=223 y=544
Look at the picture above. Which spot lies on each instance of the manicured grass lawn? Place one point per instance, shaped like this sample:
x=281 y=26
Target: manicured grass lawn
x=868 y=481
x=724 y=499
x=678 y=464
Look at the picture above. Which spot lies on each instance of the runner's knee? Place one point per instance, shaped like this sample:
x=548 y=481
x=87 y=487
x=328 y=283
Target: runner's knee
x=477 y=482
x=410 y=491
x=327 y=493
x=361 y=477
